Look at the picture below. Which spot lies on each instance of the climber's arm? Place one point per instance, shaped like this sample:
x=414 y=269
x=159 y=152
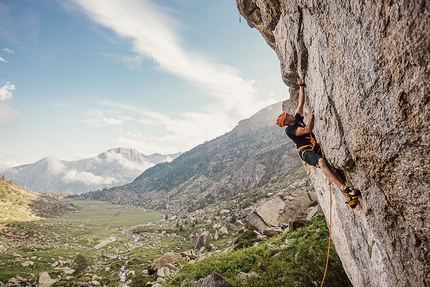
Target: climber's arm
x=301 y=101
x=309 y=127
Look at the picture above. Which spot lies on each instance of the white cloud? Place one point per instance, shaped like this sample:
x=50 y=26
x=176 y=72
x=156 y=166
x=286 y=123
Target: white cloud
x=9 y=51
x=55 y=166
x=2 y=60
x=150 y=146
x=86 y=177
x=126 y=163
x=185 y=130
x=189 y=131
x=97 y=119
x=7 y=114
x=152 y=33
x=6 y=91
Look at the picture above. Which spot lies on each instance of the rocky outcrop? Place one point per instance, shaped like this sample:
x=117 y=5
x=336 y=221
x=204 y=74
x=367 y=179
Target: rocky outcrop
x=269 y=216
x=366 y=68
x=44 y=280
x=213 y=280
x=202 y=239
x=167 y=258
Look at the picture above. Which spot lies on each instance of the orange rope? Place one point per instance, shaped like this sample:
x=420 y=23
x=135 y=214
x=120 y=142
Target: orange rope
x=329 y=237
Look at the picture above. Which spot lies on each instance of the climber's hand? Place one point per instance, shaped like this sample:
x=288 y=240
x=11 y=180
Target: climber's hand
x=300 y=81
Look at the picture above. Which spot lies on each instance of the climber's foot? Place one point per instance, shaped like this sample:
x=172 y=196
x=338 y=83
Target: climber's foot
x=352 y=191
x=353 y=201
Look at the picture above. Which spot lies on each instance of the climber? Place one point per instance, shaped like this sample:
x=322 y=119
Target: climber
x=308 y=148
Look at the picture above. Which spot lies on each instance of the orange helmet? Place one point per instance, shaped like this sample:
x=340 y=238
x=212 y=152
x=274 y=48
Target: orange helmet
x=280 y=121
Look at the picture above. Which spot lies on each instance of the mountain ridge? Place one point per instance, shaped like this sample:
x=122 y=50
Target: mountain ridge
x=114 y=167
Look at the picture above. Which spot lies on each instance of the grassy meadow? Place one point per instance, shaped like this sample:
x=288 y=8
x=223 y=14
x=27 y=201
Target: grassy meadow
x=53 y=244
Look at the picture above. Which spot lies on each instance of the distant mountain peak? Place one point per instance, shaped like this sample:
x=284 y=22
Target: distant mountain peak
x=114 y=167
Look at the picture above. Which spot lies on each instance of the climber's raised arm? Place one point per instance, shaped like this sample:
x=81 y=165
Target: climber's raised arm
x=301 y=101
x=300 y=131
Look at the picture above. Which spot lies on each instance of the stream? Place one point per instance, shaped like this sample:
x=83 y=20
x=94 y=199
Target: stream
x=124 y=271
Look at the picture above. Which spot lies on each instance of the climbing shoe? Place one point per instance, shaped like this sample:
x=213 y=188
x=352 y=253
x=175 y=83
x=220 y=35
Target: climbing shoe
x=353 y=201
x=352 y=191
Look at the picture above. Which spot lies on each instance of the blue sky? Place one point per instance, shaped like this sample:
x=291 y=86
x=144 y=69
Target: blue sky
x=79 y=77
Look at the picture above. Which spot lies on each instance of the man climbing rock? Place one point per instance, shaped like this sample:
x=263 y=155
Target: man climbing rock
x=308 y=148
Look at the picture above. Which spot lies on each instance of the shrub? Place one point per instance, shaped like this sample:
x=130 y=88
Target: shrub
x=81 y=264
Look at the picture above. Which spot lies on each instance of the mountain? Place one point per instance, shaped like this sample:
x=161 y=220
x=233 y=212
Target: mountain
x=116 y=166
x=245 y=164
x=18 y=204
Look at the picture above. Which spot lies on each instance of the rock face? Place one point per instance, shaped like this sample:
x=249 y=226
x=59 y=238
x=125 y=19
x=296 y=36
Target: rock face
x=366 y=68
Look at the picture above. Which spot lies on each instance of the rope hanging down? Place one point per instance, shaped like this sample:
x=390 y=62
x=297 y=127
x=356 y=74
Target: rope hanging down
x=329 y=235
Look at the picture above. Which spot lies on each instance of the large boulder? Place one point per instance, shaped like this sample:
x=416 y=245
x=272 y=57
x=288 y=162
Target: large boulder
x=204 y=238
x=167 y=258
x=269 y=216
x=45 y=280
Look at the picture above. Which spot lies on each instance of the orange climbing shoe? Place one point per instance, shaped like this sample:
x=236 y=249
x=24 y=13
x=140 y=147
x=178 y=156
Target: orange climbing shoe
x=353 y=201
x=352 y=191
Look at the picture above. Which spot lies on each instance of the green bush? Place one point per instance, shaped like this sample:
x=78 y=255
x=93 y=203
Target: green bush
x=81 y=264
x=246 y=239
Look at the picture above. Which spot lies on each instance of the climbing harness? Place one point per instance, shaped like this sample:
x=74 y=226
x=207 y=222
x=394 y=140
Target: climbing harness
x=314 y=147
x=329 y=235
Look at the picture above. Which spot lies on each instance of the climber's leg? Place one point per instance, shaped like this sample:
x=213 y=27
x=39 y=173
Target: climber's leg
x=317 y=160
x=326 y=169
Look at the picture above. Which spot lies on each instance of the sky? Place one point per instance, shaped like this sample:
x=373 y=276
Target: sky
x=79 y=77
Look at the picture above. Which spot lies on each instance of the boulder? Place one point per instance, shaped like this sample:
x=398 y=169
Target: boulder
x=44 y=280
x=203 y=238
x=170 y=257
x=213 y=280
x=163 y=271
x=216 y=236
x=242 y=276
x=224 y=212
x=223 y=230
x=270 y=215
x=13 y=282
x=190 y=254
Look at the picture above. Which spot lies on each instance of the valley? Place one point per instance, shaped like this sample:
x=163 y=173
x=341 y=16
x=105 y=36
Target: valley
x=96 y=243
x=52 y=244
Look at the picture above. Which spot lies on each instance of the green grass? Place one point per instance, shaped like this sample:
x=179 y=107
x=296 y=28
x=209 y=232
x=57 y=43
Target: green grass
x=47 y=241
x=300 y=263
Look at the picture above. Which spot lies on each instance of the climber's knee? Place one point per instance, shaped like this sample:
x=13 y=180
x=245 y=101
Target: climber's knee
x=322 y=163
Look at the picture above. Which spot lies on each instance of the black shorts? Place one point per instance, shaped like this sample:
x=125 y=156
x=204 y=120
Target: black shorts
x=310 y=157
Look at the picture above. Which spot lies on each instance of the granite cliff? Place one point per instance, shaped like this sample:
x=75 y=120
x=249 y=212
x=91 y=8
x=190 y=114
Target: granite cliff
x=366 y=68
